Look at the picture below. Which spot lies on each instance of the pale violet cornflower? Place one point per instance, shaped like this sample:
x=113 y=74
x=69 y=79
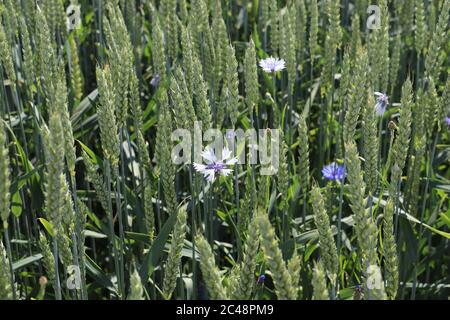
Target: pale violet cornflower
x=214 y=166
x=334 y=172
x=447 y=121
x=382 y=103
x=272 y=64
x=155 y=80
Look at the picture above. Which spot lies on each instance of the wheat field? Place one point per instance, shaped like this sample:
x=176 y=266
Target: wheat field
x=331 y=180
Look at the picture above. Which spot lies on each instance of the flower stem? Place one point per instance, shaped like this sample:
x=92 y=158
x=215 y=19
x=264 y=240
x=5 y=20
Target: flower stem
x=275 y=88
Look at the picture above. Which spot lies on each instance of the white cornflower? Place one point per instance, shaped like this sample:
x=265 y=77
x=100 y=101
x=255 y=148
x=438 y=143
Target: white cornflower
x=382 y=103
x=272 y=64
x=215 y=166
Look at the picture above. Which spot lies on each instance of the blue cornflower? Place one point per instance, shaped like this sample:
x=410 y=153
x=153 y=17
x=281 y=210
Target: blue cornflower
x=382 y=103
x=447 y=121
x=333 y=171
x=155 y=80
x=215 y=166
x=261 y=279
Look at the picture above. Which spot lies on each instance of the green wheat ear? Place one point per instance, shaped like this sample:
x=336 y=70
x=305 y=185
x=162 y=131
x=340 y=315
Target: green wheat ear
x=182 y=101
x=248 y=201
x=5 y=177
x=406 y=16
x=76 y=75
x=347 y=64
x=232 y=282
x=251 y=78
x=301 y=22
x=121 y=60
x=171 y=27
x=138 y=117
x=433 y=60
x=356 y=37
x=232 y=85
x=394 y=66
x=313 y=29
x=97 y=181
x=210 y=272
x=47 y=257
x=284 y=287
x=163 y=155
x=64 y=249
x=287 y=45
x=275 y=35
x=46 y=57
x=174 y=259
x=136 y=287
x=6 y=57
x=356 y=95
x=319 y=283
x=55 y=178
x=246 y=275
x=55 y=14
x=371 y=144
x=294 y=267
x=401 y=144
x=413 y=186
x=9 y=16
x=107 y=118
x=27 y=52
x=158 y=53
x=200 y=90
x=420 y=32
x=6 y=291
x=333 y=41
x=221 y=41
x=60 y=105
x=264 y=17
x=327 y=244
x=210 y=62
x=365 y=228
x=390 y=251
x=303 y=146
x=379 y=51
x=188 y=58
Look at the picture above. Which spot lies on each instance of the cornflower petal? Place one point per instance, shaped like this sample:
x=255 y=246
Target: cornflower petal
x=333 y=171
x=199 y=167
x=226 y=153
x=225 y=172
x=231 y=161
x=447 y=121
x=382 y=103
x=209 y=155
